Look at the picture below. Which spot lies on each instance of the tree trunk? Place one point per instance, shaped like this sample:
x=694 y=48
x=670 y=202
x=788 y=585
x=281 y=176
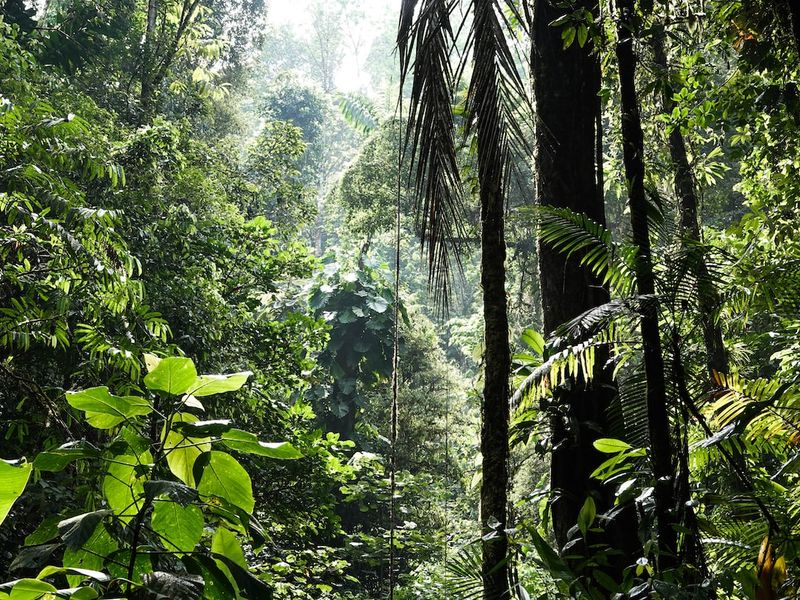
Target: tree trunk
x=568 y=171
x=661 y=453
x=497 y=367
x=497 y=357
x=708 y=296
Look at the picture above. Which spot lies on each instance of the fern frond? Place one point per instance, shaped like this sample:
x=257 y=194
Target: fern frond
x=570 y=232
x=464 y=576
x=761 y=408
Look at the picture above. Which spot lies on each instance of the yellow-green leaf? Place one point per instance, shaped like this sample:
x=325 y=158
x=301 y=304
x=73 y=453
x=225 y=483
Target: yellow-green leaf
x=13 y=480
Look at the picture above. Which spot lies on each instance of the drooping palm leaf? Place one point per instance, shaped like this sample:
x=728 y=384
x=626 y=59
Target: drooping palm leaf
x=425 y=41
x=497 y=101
x=495 y=108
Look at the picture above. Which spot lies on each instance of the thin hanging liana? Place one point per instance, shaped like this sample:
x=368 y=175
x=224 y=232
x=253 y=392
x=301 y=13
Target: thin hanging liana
x=395 y=356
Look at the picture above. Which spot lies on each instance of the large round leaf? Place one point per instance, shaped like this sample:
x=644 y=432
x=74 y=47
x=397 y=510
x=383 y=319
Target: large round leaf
x=183 y=451
x=172 y=376
x=13 y=480
x=223 y=476
x=244 y=441
x=180 y=527
x=105 y=410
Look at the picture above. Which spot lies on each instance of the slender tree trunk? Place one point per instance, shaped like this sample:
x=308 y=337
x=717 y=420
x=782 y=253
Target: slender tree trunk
x=497 y=357
x=568 y=171
x=497 y=367
x=716 y=359
x=661 y=452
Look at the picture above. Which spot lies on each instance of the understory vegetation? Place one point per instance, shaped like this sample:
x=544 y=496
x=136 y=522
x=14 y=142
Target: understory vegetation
x=428 y=299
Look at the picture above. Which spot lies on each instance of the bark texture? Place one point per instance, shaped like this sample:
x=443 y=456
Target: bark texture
x=568 y=171
x=497 y=357
x=661 y=452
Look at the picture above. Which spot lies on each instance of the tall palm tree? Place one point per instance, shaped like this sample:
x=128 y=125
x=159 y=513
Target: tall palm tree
x=425 y=41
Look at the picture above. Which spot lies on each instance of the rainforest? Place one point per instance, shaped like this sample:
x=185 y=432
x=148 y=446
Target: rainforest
x=399 y=299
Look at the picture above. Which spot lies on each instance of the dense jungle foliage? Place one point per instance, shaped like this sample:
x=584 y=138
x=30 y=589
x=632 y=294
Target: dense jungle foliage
x=433 y=299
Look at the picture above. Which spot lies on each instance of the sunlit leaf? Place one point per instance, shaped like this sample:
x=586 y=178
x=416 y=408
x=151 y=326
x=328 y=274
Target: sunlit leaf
x=13 y=479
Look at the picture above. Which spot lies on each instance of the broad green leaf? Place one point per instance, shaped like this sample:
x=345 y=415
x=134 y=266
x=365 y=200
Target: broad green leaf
x=85 y=573
x=123 y=487
x=252 y=586
x=178 y=492
x=104 y=410
x=46 y=531
x=151 y=361
x=117 y=564
x=75 y=531
x=223 y=476
x=534 y=340
x=33 y=557
x=180 y=527
x=583 y=35
x=13 y=480
x=84 y=593
x=172 y=376
x=208 y=385
x=192 y=402
x=219 y=586
x=611 y=446
x=101 y=545
x=225 y=543
x=568 y=35
x=587 y=515
x=182 y=451
x=196 y=428
x=244 y=441
x=30 y=589
x=59 y=458
x=379 y=305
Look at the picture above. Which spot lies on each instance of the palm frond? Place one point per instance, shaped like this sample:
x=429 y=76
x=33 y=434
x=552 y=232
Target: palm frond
x=497 y=100
x=425 y=41
x=464 y=575
x=631 y=409
x=761 y=408
x=358 y=112
x=572 y=349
